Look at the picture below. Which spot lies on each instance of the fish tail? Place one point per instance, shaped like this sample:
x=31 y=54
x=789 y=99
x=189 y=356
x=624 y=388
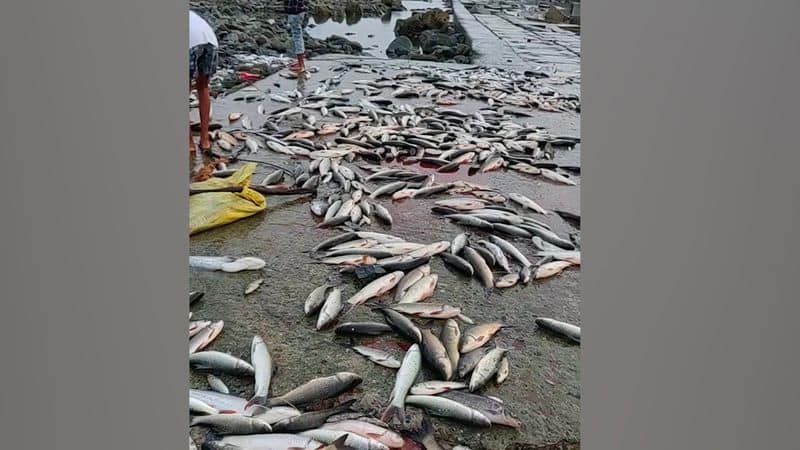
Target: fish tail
x=393 y=412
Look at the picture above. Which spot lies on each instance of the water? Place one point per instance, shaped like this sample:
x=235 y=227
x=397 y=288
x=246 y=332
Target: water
x=373 y=33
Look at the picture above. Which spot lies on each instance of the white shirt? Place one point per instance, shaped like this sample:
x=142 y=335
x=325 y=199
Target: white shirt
x=200 y=31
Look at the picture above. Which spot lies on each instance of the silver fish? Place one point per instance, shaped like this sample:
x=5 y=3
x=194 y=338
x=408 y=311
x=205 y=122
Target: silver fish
x=331 y=308
x=406 y=375
x=436 y=387
x=566 y=329
x=376 y=288
x=220 y=362
x=262 y=362
x=487 y=368
x=315 y=300
x=217 y=384
x=379 y=357
x=253 y=286
x=318 y=389
x=444 y=407
x=451 y=337
x=232 y=424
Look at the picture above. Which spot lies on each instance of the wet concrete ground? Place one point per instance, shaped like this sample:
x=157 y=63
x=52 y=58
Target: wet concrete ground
x=543 y=389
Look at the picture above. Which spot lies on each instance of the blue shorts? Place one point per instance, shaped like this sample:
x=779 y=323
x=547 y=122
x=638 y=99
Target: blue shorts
x=202 y=60
x=296 y=22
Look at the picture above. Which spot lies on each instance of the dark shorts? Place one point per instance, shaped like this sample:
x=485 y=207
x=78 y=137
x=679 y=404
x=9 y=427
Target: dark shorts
x=202 y=60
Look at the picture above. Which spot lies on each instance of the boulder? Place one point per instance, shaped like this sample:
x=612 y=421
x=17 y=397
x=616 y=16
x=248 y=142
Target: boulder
x=399 y=47
x=463 y=49
x=434 y=19
x=430 y=39
x=443 y=52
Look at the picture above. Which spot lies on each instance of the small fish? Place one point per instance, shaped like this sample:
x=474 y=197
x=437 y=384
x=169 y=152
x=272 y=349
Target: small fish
x=234 y=116
x=550 y=269
x=436 y=387
x=409 y=279
x=451 y=337
x=217 y=384
x=526 y=202
x=253 y=286
x=458 y=243
x=557 y=177
x=262 y=363
x=507 y=281
x=402 y=324
x=205 y=336
x=362 y=328
x=315 y=300
x=379 y=357
x=458 y=263
x=479 y=264
x=571 y=331
x=420 y=290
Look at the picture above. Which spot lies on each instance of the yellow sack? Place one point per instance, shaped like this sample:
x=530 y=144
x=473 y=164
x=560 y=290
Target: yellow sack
x=213 y=209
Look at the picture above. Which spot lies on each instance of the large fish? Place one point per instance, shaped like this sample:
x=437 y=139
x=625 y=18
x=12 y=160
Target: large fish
x=436 y=387
x=379 y=357
x=479 y=264
x=311 y=419
x=318 y=389
x=331 y=308
x=421 y=290
x=409 y=279
x=376 y=288
x=211 y=361
x=232 y=424
x=353 y=441
x=362 y=328
x=406 y=375
x=491 y=407
x=402 y=324
x=450 y=337
x=436 y=355
x=265 y=442
x=526 y=202
x=315 y=300
x=386 y=437
x=428 y=310
x=444 y=407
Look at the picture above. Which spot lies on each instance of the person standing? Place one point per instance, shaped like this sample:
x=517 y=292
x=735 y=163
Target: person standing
x=296 y=11
x=203 y=47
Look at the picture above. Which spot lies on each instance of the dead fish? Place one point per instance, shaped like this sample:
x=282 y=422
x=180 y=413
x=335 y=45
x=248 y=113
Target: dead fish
x=253 y=286
x=362 y=328
x=350 y=260
x=318 y=389
x=376 y=288
x=444 y=407
x=379 y=357
x=404 y=379
x=451 y=337
x=550 y=269
x=205 y=336
x=526 y=202
x=234 y=116
x=479 y=264
x=319 y=207
x=402 y=324
x=467 y=361
x=436 y=355
x=502 y=371
x=499 y=257
x=458 y=263
x=217 y=384
x=436 y=387
x=490 y=407
x=409 y=279
x=387 y=437
x=458 y=243
x=336 y=240
x=487 y=368
x=462 y=204
x=427 y=310
x=507 y=281
x=479 y=335
x=421 y=290
x=571 y=331
x=197 y=326
x=311 y=419
x=330 y=309
x=232 y=424
x=211 y=361
x=315 y=300
x=557 y=177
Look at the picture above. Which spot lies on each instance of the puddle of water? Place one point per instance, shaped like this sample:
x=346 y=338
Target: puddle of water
x=373 y=33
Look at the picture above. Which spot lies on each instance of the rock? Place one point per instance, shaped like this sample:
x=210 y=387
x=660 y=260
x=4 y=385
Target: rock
x=399 y=47
x=443 y=52
x=261 y=39
x=434 y=19
x=463 y=49
x=461 y=59
x=394 y=5
x=430 y=39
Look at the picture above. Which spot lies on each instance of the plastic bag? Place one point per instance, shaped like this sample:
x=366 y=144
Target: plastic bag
x=213 y=209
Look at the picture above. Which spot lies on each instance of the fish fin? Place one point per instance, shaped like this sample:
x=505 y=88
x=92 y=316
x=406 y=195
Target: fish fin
x=338 y=443
x=423 y=433
x=256 y=400
x=347 y=404
x=393 y=412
